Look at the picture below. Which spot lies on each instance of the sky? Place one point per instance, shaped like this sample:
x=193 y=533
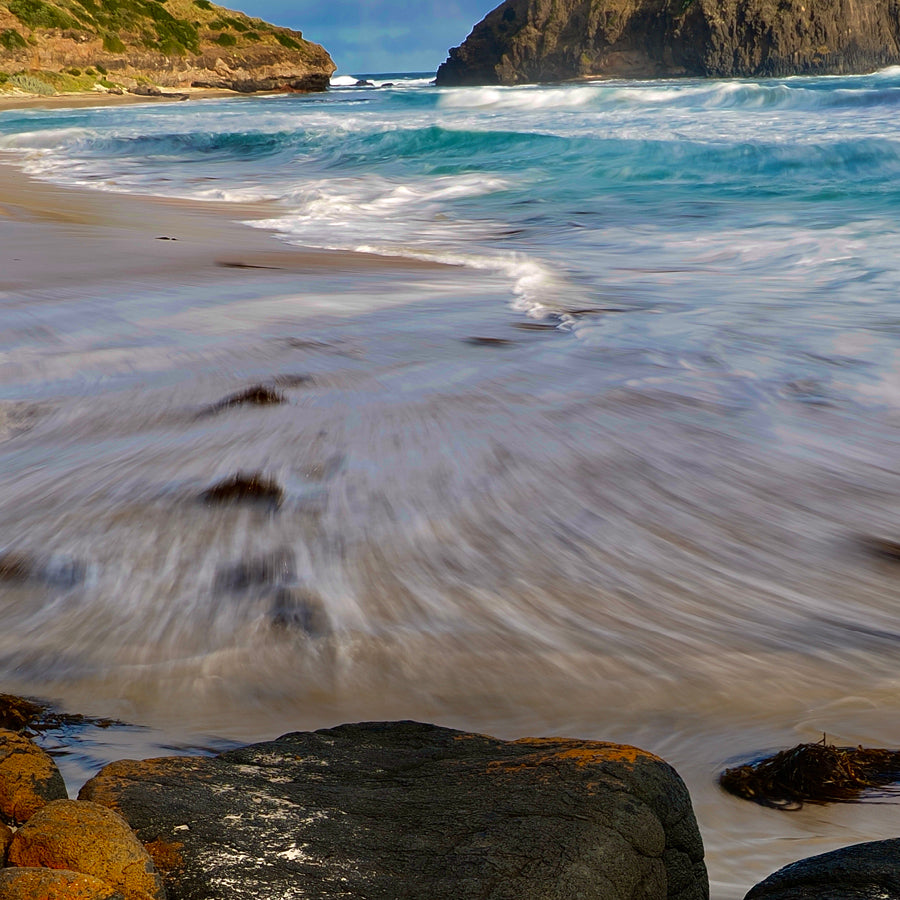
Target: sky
x=372 y=36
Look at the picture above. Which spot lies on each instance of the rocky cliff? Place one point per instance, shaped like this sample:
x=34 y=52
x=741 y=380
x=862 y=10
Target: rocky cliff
x=68 y=45
x=555 y=40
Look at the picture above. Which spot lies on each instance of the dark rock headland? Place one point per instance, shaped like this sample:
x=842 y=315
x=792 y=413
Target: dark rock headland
x=524 y=41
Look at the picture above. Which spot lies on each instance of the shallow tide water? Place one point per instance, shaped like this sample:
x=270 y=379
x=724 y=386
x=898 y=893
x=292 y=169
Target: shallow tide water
x=609 y=474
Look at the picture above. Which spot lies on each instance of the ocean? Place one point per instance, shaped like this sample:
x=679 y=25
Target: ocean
x=611 y=470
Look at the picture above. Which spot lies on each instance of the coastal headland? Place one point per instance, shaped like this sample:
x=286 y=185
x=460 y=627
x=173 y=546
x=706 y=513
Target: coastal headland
x=141 y=46
x=523 y=41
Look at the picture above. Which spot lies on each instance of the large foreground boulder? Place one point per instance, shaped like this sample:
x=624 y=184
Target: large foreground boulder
x=539 y=40
x=869 y=871
x=405 y=810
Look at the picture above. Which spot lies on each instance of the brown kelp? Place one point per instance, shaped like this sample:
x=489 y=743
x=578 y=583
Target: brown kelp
x=813 y=773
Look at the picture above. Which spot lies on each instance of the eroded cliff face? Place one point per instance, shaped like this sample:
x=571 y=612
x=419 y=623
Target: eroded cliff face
x=555 y=40
x=173 y=43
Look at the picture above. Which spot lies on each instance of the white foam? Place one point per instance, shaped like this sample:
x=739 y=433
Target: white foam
x=352 y=209
x=528 y=97
x=536 y=289
x=45 y=139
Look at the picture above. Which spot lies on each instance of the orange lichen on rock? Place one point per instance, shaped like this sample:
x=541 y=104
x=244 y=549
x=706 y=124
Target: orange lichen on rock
x=591 y=753
x=89 y=838
x=105 y=787
x=29 y=778
x=166 y=855
x=54 y=884
x=553 y=752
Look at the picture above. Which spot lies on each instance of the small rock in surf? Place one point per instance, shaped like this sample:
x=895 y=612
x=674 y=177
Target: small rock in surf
x=245 y=488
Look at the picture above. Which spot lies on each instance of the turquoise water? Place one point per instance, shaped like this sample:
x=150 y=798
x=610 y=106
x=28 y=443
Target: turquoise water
x=642 y=517
x=746 y=211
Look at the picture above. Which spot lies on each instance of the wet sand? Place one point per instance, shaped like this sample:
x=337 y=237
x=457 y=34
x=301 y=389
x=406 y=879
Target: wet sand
x=51 y=235
x=97 y=98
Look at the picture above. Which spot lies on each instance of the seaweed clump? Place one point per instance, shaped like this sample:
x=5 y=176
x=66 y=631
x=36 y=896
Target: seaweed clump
x=258 y=395
x=253 y=488
x=15 y=567
x=16 y=713
x=813 y=773
x=22 y=714
x=883 y=548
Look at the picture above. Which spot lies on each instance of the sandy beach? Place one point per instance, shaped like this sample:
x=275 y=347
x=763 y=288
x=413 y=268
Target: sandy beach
x=51 y=235
x=100 y=98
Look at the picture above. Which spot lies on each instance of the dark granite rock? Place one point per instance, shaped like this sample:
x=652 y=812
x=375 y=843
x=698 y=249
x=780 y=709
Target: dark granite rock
x=869 y=871
x=301 y=84
x=555 y=40
x=402 y=810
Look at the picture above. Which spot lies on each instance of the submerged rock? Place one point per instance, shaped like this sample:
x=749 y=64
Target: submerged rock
x=88 y=838
x=488 y=341
x=259 y=571
x=29 y=779
x=17 y=567
x=406 y=810
x=295 y=608
x=541 y=41
x=870 y=870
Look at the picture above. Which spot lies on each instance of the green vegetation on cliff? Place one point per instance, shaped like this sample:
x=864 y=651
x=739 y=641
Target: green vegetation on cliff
x=167 y=42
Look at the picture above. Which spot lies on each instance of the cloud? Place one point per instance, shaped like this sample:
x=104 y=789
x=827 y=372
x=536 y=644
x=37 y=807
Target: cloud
x=377 y=35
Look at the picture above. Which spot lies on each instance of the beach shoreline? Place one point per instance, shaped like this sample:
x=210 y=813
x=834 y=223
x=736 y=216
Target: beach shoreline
x=52 y=234
x=86 y=99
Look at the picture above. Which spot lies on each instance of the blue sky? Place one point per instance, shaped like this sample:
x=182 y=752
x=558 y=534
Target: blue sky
x=376 y=35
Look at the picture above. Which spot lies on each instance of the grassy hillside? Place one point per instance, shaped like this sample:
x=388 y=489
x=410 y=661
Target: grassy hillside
x=74 y=44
